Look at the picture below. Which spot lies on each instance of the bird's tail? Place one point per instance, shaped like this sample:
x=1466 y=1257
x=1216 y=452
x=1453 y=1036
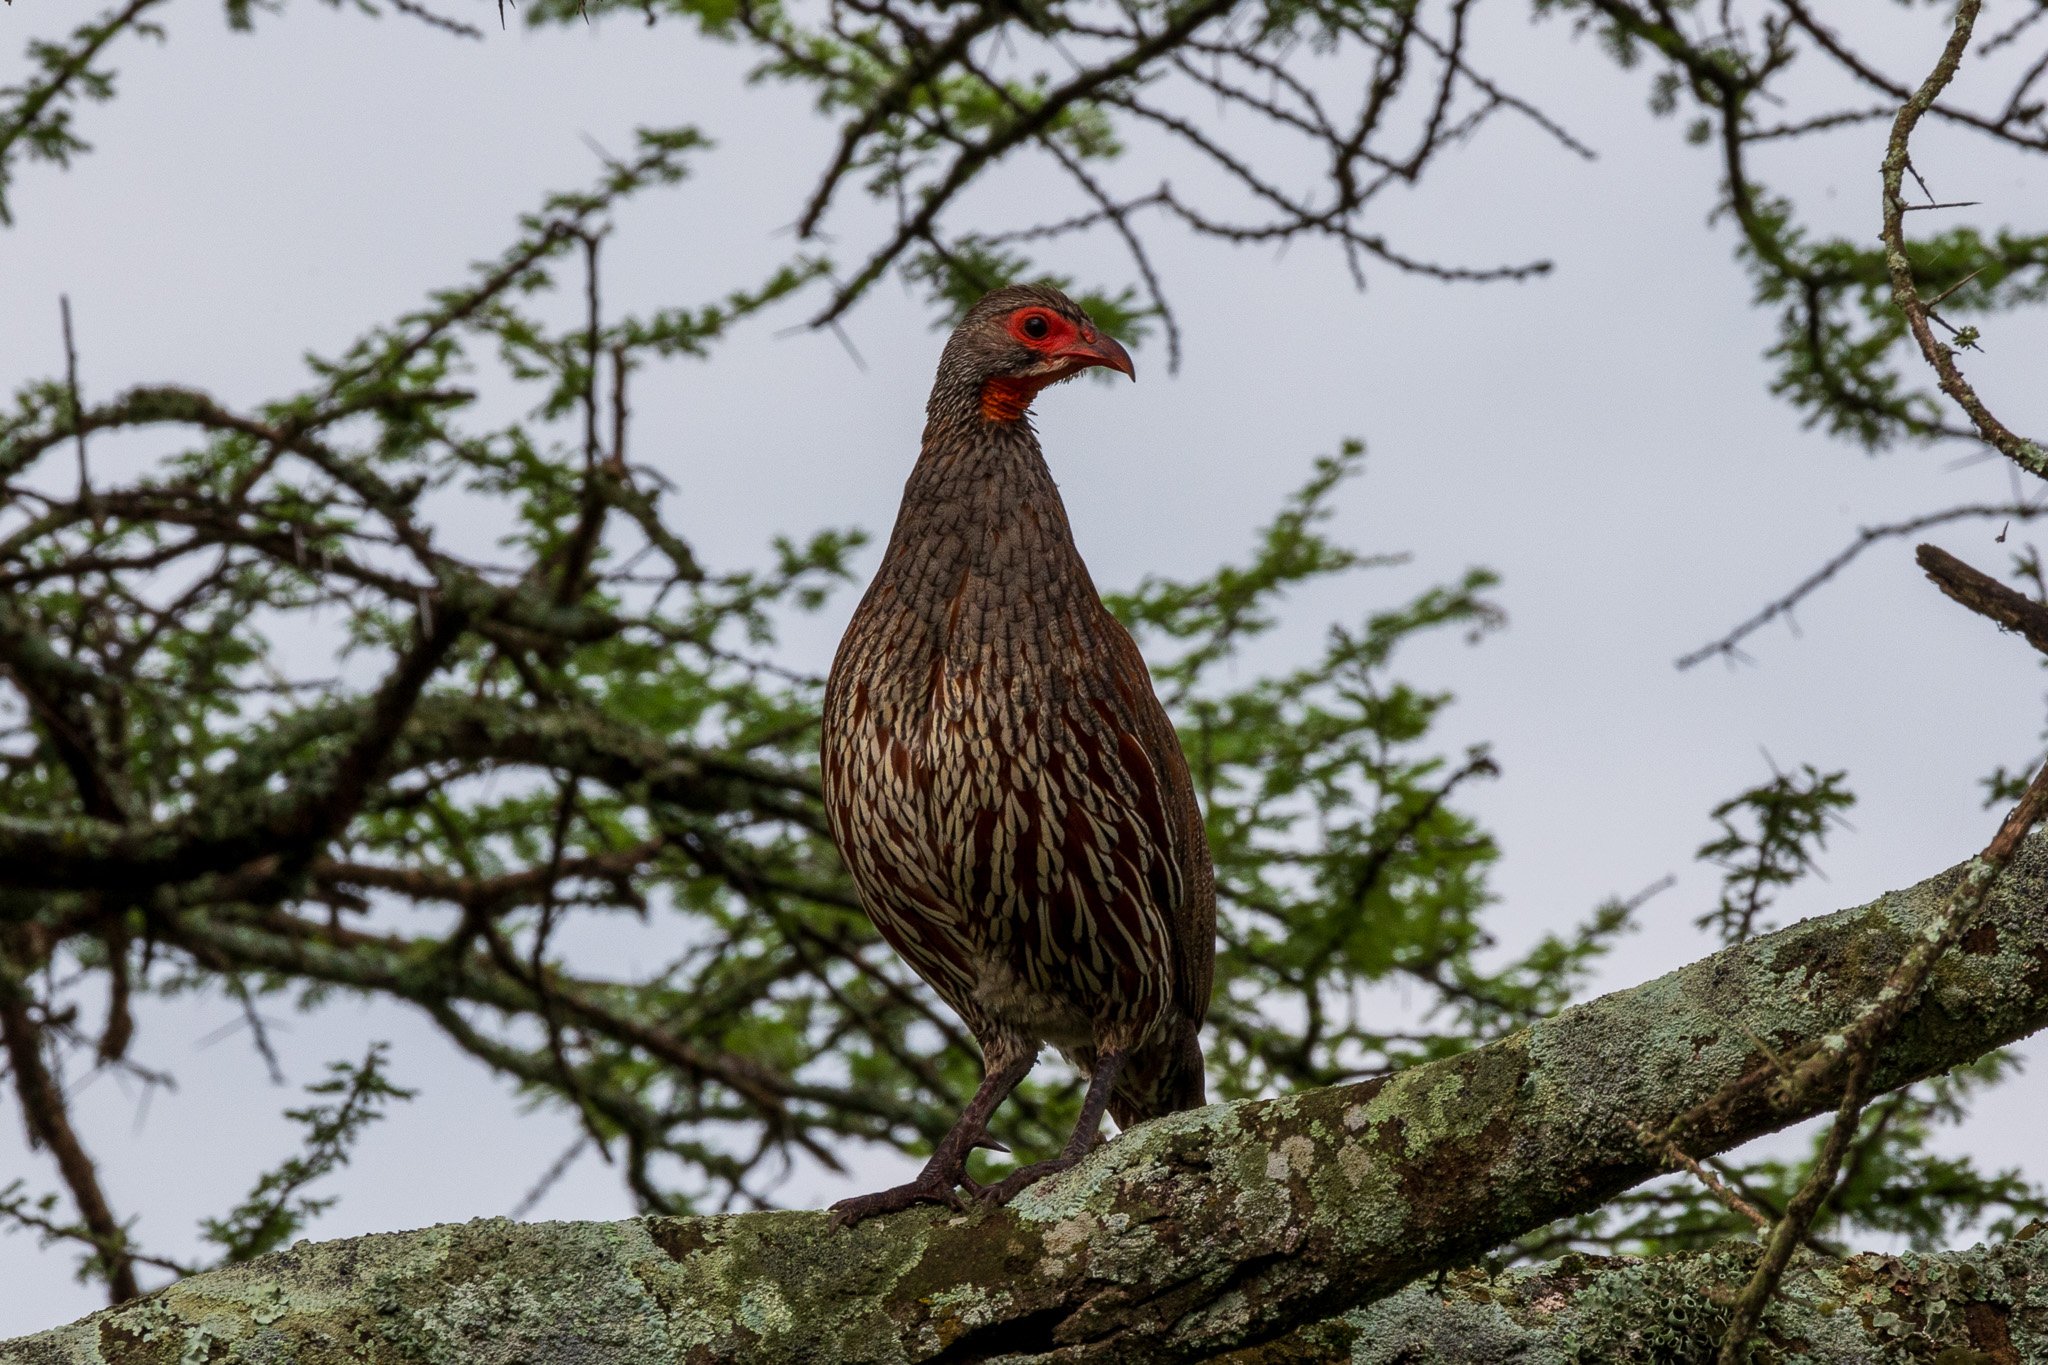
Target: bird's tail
x=1161 y=1077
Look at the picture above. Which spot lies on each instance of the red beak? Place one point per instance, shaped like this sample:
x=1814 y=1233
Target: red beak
x=1093 y=348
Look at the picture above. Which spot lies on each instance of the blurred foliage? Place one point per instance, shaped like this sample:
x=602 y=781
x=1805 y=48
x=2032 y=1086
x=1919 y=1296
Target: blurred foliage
x=278 y=1206
x=368 y=691
x=1769 y=836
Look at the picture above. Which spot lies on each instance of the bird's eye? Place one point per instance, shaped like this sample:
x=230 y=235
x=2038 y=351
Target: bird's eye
x=1035 y=327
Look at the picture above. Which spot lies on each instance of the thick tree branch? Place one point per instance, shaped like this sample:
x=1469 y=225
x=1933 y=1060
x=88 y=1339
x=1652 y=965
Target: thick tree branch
x=1198 y=1234
x=561 y=1293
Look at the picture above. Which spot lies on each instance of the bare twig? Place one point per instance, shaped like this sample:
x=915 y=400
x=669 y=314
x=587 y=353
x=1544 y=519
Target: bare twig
x=1790 y=1232
x=440 y=21
x=1832 y=44
x=71 y=388
x=1781 y=607
x=2027 y=454
x=549 y=1178
x=1673 y=1153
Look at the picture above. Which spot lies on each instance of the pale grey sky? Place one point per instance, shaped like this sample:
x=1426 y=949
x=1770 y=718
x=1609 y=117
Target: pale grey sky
x=1604 y=438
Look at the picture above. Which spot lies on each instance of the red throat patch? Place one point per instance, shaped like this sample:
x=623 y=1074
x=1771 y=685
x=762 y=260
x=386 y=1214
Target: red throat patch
x=1004 y=399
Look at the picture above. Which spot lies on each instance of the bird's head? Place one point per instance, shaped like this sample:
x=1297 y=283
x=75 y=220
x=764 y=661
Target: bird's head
x=1016 y=341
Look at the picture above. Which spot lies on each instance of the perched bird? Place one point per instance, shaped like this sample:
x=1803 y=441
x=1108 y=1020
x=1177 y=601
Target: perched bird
x=1000 y=777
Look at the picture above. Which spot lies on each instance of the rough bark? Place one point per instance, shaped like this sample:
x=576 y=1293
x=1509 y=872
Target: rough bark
x=495 y=1292
x=1223 y=1228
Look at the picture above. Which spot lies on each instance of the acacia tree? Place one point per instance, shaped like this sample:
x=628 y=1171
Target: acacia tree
x=514 y=698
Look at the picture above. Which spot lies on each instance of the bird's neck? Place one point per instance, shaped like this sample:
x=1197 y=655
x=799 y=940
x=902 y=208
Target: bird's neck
x=973 y=471
x=980 y=502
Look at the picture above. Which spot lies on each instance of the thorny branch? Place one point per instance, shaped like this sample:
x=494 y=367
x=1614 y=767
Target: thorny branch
x=1782 y=608
x=940 y=117
x=1849 y=1053
x=2027 y=454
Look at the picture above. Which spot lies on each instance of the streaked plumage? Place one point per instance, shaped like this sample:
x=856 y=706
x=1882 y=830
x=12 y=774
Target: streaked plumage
x=1000 y=777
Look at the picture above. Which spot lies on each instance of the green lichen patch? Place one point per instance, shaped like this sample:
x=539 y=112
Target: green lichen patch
x=1948 y=1309
x=571 y=1294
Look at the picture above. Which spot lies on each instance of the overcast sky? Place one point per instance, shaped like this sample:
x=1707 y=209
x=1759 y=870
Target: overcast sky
x=1604 y=438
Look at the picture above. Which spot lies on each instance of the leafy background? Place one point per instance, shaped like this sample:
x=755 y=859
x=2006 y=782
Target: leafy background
x=1603 y=439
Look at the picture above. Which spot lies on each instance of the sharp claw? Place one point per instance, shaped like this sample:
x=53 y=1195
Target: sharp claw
x=1017 y=1181
x=989 y=1144
x=943 y=1188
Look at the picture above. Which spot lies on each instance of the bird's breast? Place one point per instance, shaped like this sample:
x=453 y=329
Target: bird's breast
x=983 y=772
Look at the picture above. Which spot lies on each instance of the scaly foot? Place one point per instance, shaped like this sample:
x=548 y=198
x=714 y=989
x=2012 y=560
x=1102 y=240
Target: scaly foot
x=939 y=1183
x=930 y=1187
x=1006 y=1189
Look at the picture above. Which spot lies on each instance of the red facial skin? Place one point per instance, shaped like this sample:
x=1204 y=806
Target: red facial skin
x=1005 y=399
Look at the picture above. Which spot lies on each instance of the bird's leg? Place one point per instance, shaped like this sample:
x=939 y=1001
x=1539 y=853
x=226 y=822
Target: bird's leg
x=946 y=1171
x=1086 y=1130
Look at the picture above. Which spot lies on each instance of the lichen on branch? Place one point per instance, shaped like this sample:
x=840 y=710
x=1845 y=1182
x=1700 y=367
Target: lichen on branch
x=1205 y=1232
